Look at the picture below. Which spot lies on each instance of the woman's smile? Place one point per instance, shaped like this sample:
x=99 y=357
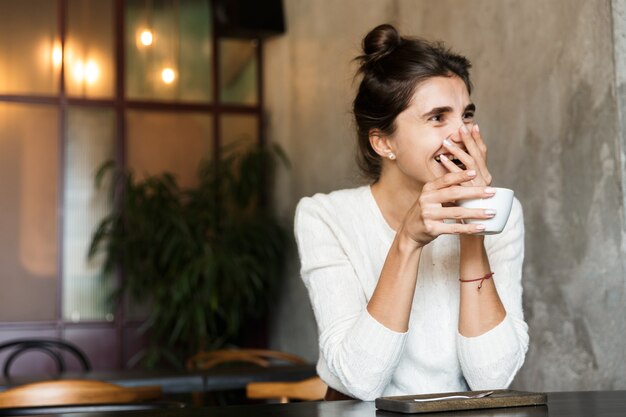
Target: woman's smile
x=439 y=107
x=452 y=158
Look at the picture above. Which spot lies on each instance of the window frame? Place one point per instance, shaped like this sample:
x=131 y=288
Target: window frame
x=121 y=324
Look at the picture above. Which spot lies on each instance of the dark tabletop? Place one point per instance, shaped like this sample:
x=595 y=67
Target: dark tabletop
x=215 y=379
x=560 y=404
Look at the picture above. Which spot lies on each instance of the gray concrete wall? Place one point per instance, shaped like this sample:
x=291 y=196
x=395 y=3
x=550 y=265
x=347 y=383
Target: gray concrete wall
x=550 y=90
x=309 y=89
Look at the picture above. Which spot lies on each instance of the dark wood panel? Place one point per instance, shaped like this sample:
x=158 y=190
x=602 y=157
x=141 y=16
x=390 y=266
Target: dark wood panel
x=100 y=345
x=133 y=343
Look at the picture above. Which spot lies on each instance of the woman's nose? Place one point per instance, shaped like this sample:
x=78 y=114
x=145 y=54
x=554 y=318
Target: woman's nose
x=456 y=137
x=456 y=134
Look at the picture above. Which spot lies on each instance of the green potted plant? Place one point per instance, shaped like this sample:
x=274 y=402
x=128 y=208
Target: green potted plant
x=205 y=259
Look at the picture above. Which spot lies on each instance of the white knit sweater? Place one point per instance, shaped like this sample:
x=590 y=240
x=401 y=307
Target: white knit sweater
x=343 y=241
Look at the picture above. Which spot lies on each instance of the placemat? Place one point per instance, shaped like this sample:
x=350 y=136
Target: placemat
x=497 y=399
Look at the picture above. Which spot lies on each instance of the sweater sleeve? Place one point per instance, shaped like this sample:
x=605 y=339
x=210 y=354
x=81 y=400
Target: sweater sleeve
x=359 y=352
x=491 y=360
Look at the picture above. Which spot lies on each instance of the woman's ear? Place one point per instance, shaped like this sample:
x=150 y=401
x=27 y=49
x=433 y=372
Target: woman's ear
x=381 y=144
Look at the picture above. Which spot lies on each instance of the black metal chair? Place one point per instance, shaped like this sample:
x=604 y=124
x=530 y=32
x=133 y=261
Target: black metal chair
x=52 y=347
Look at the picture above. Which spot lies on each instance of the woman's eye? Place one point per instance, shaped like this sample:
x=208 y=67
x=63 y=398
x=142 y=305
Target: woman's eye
x=436 y=118
x=468 y=116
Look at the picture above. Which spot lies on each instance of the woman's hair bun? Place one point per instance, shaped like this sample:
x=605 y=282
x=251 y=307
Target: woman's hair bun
x=378 y=43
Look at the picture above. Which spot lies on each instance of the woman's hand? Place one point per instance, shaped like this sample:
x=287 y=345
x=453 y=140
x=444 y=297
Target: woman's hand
x=474 y=159
x=425 y=220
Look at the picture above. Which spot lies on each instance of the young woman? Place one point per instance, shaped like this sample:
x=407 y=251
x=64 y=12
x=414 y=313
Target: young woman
x=406 y=300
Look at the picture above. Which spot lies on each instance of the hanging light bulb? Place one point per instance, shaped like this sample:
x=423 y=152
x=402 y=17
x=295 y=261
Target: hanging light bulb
x=87 y=72
x=146 y=38
x=92 y=71
x=78 y=71
x=168 y=75
x=57 y=55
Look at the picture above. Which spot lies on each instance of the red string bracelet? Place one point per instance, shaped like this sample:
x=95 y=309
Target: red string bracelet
x=481 y=279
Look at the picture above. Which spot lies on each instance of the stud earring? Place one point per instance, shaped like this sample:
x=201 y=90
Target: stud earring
x=391 y=156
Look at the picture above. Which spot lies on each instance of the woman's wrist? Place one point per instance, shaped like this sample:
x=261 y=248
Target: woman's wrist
x=473 y=259
x=472 y=240
x=472 y=245
x=406 y=243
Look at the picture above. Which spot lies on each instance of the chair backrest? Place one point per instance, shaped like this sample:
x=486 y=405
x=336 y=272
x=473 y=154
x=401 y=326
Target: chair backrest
x=311 y=389
x=55 y=348
x=76 y=391
x=260 y=357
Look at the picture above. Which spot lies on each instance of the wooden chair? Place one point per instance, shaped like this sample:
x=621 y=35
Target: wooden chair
x=260 y=357
x=75 y=392
x=225 y=357
x=311 y=389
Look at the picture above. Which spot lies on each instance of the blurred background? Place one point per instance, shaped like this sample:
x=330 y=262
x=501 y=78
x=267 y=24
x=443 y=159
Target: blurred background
x=159 y=85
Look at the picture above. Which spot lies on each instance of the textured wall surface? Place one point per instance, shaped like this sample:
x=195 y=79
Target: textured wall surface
x=619 y=36
x=309 y=89
x=550 y=81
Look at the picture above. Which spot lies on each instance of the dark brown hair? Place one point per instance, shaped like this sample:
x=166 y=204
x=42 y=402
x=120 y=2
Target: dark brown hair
x=392 y=67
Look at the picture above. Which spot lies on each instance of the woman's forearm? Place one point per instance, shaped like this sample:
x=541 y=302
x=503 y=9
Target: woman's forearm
x=480 y=309
x=392 y=299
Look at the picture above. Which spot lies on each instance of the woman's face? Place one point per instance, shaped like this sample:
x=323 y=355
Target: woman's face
x=439 y=107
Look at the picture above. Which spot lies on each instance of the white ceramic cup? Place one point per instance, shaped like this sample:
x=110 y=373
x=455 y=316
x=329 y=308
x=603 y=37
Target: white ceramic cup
x=501 y=202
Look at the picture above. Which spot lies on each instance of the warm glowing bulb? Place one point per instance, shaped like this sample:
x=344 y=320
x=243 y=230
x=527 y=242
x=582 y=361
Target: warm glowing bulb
x=168 y=75
x=91 y=72
x=146 y=37
x=57 y=55
x=78 y=71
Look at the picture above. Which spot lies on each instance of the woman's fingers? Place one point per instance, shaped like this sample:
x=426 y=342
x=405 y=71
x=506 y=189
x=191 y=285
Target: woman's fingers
x=425 y=229
x=454 y=193
x=436 y=204
x=463 y=156
x=470 y=143
x=434 y=216
x=477 y=149
x=450 y=166
x=482 y=148
x=437 y=212
x=441 y=228
x=450 y=179
x=479 y=140
x=474 y=157
x=437 y=200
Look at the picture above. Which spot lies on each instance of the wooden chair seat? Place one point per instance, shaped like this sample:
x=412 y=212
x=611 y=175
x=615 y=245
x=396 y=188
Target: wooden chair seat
x=311 y=389
x=260 y=357
x=223 y=357
x=63 y=392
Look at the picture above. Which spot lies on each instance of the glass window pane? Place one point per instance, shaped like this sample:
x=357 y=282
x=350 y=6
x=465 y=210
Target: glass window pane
x=29 y=166
x=90 y=142
x=238 y=71
x=169 y=50
x=239 y=130
x=89 y=56
x=166 y=142
x=30 y=50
